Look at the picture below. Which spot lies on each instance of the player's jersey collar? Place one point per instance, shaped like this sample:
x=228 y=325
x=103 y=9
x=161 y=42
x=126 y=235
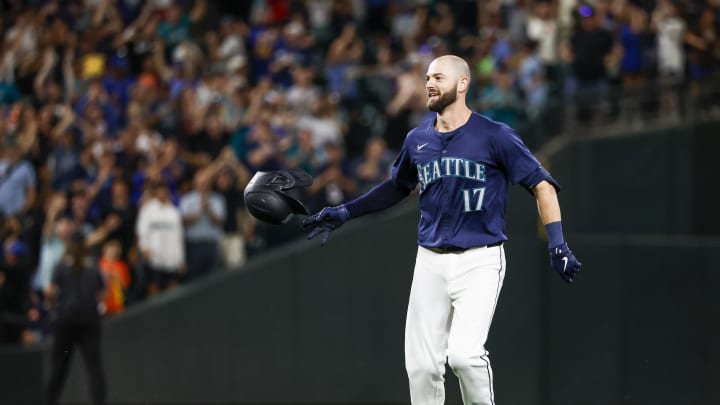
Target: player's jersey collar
x=450 y=134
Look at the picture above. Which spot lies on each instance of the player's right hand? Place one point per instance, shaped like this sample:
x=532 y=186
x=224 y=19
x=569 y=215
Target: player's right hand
x=564 y=262
x=325 y=221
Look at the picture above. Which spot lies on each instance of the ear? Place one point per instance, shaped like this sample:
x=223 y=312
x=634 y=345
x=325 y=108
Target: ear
x=463 y=84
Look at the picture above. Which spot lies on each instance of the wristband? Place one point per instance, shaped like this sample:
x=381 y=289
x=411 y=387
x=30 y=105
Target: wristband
x=554 y=234
x=343 y=212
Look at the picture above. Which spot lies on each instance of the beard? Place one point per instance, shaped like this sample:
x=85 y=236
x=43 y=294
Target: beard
x=442 y=101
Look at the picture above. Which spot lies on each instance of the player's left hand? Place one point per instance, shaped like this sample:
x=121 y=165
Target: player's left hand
x=325 y=221
x=564 y=262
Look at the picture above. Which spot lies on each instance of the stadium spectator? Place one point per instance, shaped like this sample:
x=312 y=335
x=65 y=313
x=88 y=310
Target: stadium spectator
x=323 y=121
x=203 y=214
x=407 y=102
x=374 y=166
x=302 y=93
x=334 y=181
x=160 y=239
x=231 y=177
x=532 y=78
x=176 y=25
x=116 y=274
x=670 y=30
x=590 y=47
x=15 y=275
x=634 y=37
x=499 y=101
x=263 y=149
x=302 y=153
x=120 y=206
x=343 y=63
x=704 y=52
x=542 y=27
x=56 y=233
x=17 y=180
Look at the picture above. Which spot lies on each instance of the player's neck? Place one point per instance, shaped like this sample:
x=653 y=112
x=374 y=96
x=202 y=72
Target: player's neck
x=452 y=118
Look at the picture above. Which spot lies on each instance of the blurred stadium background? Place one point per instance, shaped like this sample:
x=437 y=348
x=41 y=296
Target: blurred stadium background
x=106 y=99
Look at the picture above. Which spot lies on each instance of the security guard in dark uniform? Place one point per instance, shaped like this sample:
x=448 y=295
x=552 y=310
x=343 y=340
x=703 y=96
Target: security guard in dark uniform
x=77 y=291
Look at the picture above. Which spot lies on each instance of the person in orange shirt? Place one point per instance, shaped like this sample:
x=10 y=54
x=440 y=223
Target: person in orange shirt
x=117 y=277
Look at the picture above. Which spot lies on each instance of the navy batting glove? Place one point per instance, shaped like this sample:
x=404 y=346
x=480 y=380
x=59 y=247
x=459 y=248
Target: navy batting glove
x=326 y=221
x=564 y=262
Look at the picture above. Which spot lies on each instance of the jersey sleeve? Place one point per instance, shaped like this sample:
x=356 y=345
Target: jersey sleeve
x=403 y=173
x=518 y=162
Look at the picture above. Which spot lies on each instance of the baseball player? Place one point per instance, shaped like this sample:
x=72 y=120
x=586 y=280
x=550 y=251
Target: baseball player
x=463 y=162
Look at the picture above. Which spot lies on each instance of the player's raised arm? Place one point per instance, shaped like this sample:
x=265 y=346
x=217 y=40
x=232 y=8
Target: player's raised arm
x=380 y=197
x=561 y=258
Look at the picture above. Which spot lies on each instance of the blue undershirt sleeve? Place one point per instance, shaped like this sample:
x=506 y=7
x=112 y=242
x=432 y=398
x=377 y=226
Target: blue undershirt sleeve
x=380 y=197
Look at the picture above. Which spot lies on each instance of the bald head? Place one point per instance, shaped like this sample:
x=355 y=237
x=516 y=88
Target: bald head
x=451 y=65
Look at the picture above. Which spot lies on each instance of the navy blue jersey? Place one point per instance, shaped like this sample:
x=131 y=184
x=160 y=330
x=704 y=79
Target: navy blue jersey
x=463 y=177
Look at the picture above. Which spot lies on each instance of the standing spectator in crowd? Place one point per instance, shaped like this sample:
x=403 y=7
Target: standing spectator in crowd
x=323 y=121
x=176 y=26
x=263 y=149
x=15 y=273
x=77 y=293
x=704 y=53
x=302 y=93
x=153 y=172
x=334 y=182
x=670 y=30
x=294 y=49
x=203 y=213
x=343 y=63
x=302 y=153
x=137 y=40
x=206 y=146
x=160 y=239
x=408 y=99
x=231 y=177
x=499 y=101
x=17 y=180
x=379 y=77
x=532 y=79
x=79 y=212
x=542 y=27
x=590 y=47
x=635 y=39
x=27 y=129
x=53 y=122
x=116 y=275
x=56 y=232
x=99 y=183
x=120 y=206
x=231 y=41
x=64 y=161
x=374 y=166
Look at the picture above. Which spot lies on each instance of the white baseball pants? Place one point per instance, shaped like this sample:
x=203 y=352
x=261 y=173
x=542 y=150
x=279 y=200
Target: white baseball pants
x=452 y=301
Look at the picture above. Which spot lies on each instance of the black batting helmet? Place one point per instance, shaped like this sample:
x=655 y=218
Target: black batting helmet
x=268 y=196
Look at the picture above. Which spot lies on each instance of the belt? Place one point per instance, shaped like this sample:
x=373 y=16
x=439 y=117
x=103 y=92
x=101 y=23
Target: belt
x=455 y=249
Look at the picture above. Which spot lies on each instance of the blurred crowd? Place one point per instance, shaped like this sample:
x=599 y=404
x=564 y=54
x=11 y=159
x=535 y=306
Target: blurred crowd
x=135 y=125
